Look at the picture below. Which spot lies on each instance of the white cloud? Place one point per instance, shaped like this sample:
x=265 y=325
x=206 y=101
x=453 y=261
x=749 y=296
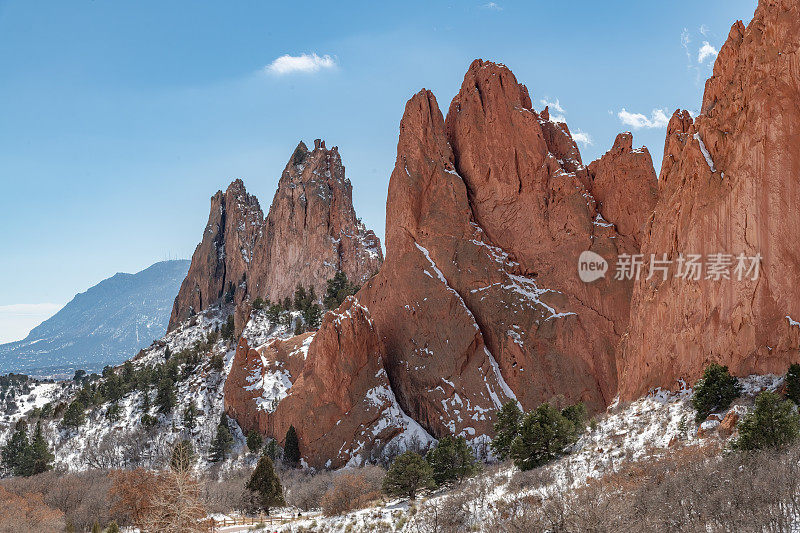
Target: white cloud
x=17 y=320
x=685 y=41
x=658 y=119
x=705 y=52
x=492 y=5
x=552 y=105
x=581 y=137
x=704 y=29
x=307 y=63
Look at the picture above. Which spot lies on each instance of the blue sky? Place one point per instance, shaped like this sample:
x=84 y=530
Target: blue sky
x=119 y=120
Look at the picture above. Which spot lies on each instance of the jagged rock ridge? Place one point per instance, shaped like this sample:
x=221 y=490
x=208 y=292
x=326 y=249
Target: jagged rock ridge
x=310 y=233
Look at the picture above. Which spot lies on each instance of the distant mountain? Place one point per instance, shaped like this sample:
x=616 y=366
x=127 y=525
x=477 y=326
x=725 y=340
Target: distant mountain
x=105 y=325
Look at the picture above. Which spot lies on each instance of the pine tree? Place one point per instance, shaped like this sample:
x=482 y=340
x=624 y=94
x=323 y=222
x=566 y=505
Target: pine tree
x=217 y=362
x=223 y=441
x=96 y=527
x=772 y=423
x=254 y=441
x=165 y=396
x=408 y=474
x=272 y=450
x=543 y=436
x=714 y=391
x=266 y=485
x=190 y=417
x=291 y=448
x=74 y=416
x=339 y=288
x=452 y=460
x=39 y=458
x=506 y=428
x=793 y=383
x=312 y=316
x=15 y=451
x=228 y=329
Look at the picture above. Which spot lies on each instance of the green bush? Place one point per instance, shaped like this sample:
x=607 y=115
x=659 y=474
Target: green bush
x=408 y=474
x=544 y=435
x=452 y=460
x=793 y=383
x=254 y=441
x=772 y=423
x=714 y=391
x=506 y=429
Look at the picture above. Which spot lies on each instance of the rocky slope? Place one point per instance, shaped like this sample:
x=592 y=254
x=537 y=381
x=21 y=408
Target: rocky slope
x=102 y=326
x=331 y=385
x=310 y=232
x=729 y=185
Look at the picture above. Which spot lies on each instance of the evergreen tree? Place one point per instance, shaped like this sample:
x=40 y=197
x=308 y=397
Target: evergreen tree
x=577 y=415
x=254 y=441
x=339 y=288
x=112 y=527
x=772 y=423
x=506 y=428
x=228 y=329
x=291 y=448
x=408 y=474
x=39 y=457
x=128 y=372
x=74 y=416
x=273 y=451
x=190 y=417
x=312 y=316
x=96 y=527
x=223 y=441
x=217 y=362
x=300 y=298
x=273 y=313
x=146 y=401
x=165 y=396
x=543 y=436
x=793 y=383
x=266 y=485
x=15 y=451
x=182 y=457
x=715 y=390
x=452 y=460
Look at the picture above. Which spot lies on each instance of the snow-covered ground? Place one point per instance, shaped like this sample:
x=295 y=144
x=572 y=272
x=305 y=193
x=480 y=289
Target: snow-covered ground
x=648 y=427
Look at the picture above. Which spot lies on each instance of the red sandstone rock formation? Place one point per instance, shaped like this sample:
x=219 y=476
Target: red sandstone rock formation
x=728 y=184
x=331 y=385
x=479 y=296
x=311 y=231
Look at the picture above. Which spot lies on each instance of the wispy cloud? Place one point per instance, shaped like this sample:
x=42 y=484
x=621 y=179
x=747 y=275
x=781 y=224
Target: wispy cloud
x=658 y=119
x=705 y=52
x=685 y=42
x=304 y=63
x=582 y=137
x=704 y=29
x=492 y=5
x=16 y=320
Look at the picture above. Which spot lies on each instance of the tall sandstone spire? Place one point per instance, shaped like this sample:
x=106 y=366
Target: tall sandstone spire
x=730 y=184
x=311 y=231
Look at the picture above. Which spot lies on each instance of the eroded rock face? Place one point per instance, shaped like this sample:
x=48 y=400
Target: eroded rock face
x=479 y=299
x=331 y=385
x=728 y=184
x=311 y=231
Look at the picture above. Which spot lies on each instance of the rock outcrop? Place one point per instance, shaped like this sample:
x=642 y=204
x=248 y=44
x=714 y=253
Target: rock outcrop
x=310 y=233
x=331 y=385
x=728 y=185
x=479 y=300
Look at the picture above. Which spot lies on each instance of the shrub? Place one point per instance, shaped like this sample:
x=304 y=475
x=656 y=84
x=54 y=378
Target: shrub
x=28 y=512
x=228 y=329
x=714 y=391
x=506 y=428
x=452 y=460
x=543 y=436
x=74 y=416
x=408 y=474
x=254 y=441
x=793 y=383
x=771 y=423
x=350 y=490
